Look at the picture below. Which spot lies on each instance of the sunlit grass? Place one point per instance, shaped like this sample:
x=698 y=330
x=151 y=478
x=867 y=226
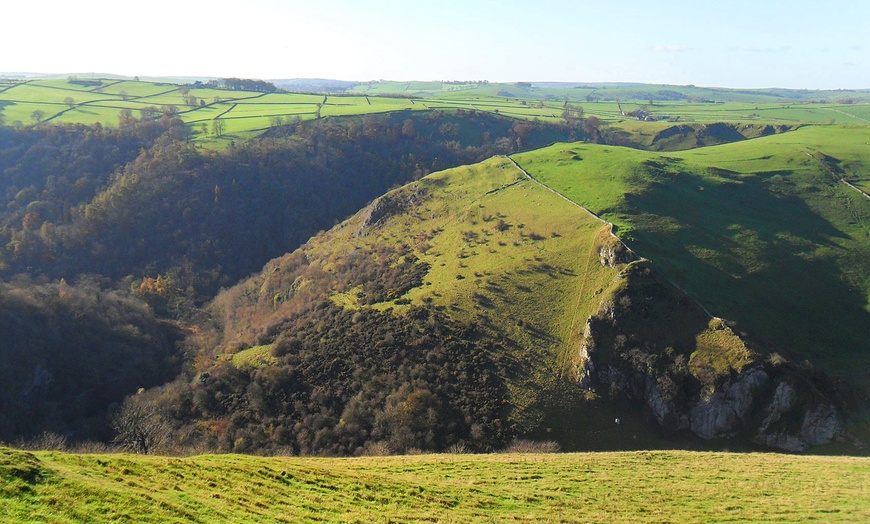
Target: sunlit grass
x=597 y=487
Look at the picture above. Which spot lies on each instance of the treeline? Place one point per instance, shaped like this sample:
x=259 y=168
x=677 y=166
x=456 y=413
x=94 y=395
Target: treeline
x=242 y=84
x=202 y=220
x=48 y=173
x=71 y=352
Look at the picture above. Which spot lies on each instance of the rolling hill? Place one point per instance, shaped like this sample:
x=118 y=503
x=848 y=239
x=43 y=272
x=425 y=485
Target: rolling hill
x=763 y=232
x=571 y=325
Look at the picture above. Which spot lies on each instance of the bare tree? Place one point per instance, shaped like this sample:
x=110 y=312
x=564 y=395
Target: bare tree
x=138 y=427
x=37 y=115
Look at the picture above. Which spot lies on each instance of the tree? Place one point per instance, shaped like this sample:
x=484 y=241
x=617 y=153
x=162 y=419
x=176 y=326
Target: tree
x=592 y=129
x=572 y=114
x=408 y=129
x=138 y=427
x=125 y=117
x=69 y=101
x=37 y=115
x=149 y=113
x=217 y=127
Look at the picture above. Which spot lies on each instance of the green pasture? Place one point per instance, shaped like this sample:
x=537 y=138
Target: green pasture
x=16 y=112
x=49 y=94
x=672 y=486
x=759 y=231
x=254 y=110
x=347 y=106
x=89 y=114
x=254 y=357
x=136 y=89
x=244 y=110
x=287 y=98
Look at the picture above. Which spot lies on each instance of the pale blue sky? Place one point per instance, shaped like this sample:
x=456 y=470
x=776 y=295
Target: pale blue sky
x=739 y=43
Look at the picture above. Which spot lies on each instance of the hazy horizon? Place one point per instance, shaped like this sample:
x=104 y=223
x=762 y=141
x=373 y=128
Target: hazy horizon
x=798 y=44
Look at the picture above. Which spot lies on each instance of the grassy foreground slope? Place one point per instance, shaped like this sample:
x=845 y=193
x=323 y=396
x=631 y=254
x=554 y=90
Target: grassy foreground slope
x=763 y=232
x=601 y=487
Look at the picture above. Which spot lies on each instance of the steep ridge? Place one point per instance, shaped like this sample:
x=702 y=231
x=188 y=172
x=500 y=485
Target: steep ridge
x=549 y=324
x=676 y=136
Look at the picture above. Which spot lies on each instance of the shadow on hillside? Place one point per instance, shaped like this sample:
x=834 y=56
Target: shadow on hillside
x=748 y=250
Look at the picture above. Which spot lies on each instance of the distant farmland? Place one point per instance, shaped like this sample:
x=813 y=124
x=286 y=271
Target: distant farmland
x=247 y=113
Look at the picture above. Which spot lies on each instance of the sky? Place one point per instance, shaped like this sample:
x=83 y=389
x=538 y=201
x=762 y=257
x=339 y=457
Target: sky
x=806 y=44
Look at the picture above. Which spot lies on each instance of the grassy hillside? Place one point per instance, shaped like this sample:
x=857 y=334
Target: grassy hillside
x=600 y=487
x=488 y=276
x=502 y=253
x=762 y=232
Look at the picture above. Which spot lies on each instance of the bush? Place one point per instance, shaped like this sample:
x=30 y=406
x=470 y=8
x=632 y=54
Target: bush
x=532 y=446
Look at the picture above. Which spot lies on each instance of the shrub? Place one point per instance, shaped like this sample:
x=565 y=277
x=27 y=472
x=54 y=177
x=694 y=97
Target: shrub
x=532 y=446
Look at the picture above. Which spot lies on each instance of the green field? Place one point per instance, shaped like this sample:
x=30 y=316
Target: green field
x=247 y=114
x=759 y=231
x=601 y=487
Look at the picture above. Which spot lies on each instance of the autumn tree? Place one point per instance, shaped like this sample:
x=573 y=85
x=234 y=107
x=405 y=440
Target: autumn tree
x=126 y=118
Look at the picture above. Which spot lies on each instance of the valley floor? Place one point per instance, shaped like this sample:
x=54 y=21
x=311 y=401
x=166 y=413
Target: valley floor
x=672 y=486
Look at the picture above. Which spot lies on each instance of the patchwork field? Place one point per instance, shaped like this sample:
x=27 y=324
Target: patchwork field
x=247 y=114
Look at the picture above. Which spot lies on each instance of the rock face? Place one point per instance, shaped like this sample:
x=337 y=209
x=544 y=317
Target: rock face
x=725 y=412
x=615 y=254
x=393 y=203
x=651 y=343
x=818 y=423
